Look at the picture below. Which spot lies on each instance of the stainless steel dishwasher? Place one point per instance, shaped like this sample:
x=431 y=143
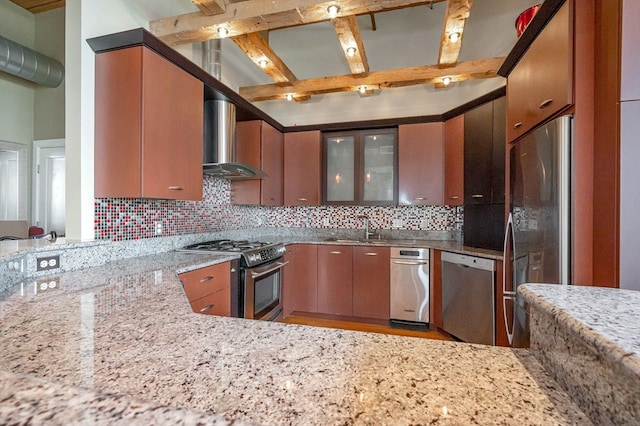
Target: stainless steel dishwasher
x=409 y=285
x=468 y=295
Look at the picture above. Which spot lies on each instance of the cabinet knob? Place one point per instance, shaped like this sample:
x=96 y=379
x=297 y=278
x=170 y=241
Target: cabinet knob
x=546 y=103
x=176 y=188
x=205 y=279
x=206 y=308
x=477 y=196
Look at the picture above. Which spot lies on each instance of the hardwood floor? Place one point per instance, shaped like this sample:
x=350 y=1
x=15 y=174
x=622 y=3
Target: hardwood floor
x=318 y=320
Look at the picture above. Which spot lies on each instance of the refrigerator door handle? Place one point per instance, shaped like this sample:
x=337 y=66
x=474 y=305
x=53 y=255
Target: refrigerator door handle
x=509 y=294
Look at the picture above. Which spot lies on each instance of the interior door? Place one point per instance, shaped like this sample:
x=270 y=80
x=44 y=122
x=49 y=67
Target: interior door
x=49 y=194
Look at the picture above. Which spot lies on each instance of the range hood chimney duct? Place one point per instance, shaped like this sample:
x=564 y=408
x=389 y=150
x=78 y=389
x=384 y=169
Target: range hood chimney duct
x=220 y=126
x=23 y=62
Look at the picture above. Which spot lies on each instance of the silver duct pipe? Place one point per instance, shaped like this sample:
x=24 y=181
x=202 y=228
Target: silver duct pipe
x=26 y=63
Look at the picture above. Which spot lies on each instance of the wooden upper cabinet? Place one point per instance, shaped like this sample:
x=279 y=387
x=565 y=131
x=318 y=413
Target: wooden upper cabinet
x=148 y=127
x=421 y=164
x=541 y=84
x=259 y=145
x=454 y=161
x=302 y=168
x=371 y=288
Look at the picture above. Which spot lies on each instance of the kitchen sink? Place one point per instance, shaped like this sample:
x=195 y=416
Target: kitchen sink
x=353 y=241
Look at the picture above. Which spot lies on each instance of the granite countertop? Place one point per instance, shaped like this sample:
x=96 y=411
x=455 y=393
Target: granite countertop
x=606 y=319
x=120 y=340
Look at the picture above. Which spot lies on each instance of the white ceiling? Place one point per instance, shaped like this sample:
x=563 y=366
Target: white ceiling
x=404 y=38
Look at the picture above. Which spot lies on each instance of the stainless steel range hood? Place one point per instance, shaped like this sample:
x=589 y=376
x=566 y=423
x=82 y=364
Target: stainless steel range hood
x=219 y=128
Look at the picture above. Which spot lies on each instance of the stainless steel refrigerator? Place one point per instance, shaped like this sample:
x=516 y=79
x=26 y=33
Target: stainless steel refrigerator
x=537 y=237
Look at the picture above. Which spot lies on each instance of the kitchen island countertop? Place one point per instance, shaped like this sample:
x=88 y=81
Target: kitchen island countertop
x=120 y=339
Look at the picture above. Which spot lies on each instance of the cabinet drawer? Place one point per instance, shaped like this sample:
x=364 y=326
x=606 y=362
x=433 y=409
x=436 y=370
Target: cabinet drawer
x=202 y=282
x=541 y=84
x=218 y=303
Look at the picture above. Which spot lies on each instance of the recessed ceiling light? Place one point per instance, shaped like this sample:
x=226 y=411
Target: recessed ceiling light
x=446 y=81
x=223 y=32
x=263 y=63
x=333 y=11
x=363 y=89
x=351 y=51
x=453 y=37
x=289 y=96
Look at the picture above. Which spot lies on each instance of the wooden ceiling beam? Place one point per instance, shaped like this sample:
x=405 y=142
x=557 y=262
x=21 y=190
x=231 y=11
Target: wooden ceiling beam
x=455 y=18
x=349 y=36
x=252 y=16
x=210 y=7
x=258 y=50
x=428 y=74
x=37 y=6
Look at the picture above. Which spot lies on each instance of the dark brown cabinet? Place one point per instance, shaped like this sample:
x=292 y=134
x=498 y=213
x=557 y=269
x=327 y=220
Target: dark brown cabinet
x=454 y=161
x=335 y=280
x=541 y=84
x=301 y=279
x=302 y=163
x=420 y=164
x=209 y=289
x=371 y=282
x=484 y=154
x=148 y=127
x=260 y=145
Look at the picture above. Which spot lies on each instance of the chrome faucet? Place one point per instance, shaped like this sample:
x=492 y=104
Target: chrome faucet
x=367 y=232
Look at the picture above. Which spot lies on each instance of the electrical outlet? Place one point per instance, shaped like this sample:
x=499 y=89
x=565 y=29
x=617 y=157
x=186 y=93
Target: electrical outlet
x=397 y=223
x=48 y=263
x=47 y=285
x=158 y=228
x=325 y=221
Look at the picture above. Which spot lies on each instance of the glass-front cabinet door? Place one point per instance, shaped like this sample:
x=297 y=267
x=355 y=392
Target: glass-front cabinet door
x=360 y=167
x=340 y=171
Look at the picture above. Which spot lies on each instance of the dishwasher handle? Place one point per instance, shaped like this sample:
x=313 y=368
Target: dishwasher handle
x=410 y=262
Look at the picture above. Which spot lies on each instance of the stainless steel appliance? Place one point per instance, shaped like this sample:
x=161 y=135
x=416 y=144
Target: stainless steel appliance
x=537 y=235
x=468 y=295
x=259 y=287
x=409 y=285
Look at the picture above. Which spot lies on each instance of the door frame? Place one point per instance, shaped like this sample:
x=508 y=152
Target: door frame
x=38 y=145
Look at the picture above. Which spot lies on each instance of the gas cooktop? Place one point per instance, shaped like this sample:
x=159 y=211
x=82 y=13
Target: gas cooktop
x=253 y=253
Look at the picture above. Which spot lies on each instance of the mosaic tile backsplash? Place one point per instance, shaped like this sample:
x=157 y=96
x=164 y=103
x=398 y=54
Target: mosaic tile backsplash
x=120 y=219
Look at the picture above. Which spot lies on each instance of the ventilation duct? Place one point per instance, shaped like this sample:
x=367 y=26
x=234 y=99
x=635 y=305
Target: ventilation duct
x=26 y=63
x=220 y=126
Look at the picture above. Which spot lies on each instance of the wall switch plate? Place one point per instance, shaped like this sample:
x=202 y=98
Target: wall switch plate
x=158 y=228
x=48 y=263
x=397 y=223
x=157 y=277
x=424 y=223
x=325 y=221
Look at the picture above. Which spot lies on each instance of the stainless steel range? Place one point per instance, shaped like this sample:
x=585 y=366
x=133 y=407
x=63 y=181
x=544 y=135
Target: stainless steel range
x=259 y=288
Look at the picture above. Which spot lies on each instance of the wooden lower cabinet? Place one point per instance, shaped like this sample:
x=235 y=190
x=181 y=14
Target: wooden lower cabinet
x=209 y=289
x=371 y=282
x=335 y=280
x=300 y=279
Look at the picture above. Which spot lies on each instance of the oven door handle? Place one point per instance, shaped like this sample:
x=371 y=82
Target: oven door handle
x=258 y=272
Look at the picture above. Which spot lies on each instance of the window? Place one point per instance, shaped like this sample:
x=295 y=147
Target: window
x=360 y=167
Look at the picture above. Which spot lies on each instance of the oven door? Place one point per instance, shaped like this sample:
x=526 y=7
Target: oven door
x=263 y=291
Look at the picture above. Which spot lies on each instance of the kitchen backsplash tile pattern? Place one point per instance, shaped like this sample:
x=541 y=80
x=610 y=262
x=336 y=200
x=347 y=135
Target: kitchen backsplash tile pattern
x=120 y=219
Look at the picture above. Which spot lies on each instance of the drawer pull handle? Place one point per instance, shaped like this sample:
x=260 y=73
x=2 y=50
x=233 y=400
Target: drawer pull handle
x=207 y=308
x=176 y=188
x=517 y=125
x=302 y=199
x=477 y=196
x=420 y=198
x=371 y=254
x=545 y=104
x=455 y=197
x=205 y=279
x=335 y=252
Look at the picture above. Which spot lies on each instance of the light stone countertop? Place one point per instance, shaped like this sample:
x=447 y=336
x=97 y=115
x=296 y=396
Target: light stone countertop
x=606 y=319
x=120 y=340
